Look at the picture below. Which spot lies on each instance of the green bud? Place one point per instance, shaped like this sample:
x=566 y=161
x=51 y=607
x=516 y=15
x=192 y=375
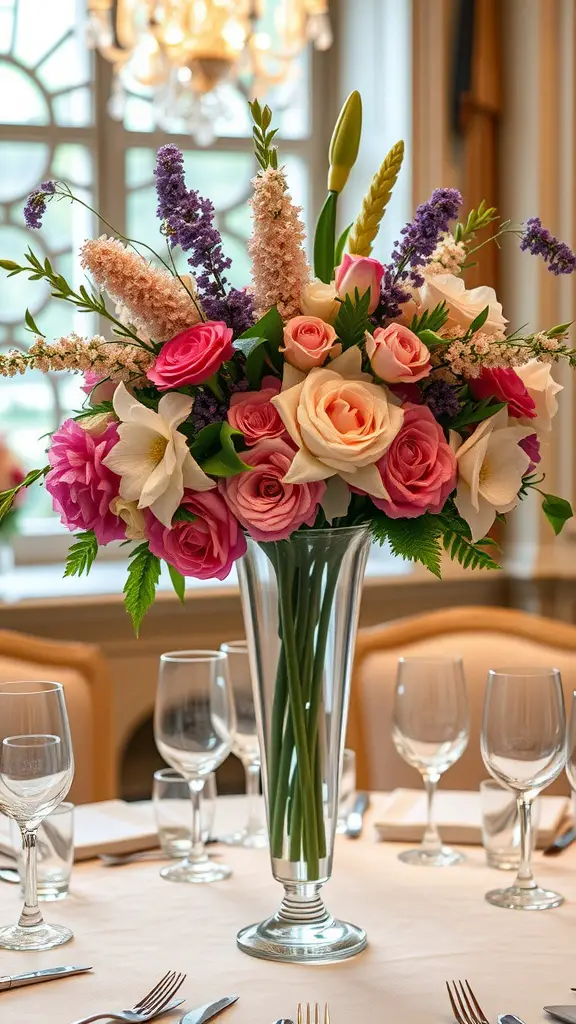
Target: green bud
x=345 y=142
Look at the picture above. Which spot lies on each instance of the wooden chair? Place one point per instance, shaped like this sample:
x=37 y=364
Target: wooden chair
x=485 y=638
x=83 y=673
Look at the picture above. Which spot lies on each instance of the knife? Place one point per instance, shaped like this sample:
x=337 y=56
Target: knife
x=33 y=977
x=204 y=1013
x=354 y=820
x=565 y=1013
x=509 y=1018
x=561 y=842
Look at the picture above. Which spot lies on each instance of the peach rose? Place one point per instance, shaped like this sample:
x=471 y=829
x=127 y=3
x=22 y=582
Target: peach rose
x=397 y=355
x=464 y=304
x=307 y=341
x=341 y=422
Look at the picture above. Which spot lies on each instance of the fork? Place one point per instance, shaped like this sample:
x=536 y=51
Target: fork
x=306 y=1017
x=465 y=1006
x=155 y=1002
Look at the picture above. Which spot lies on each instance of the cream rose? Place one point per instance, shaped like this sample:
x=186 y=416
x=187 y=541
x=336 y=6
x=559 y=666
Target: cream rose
x=319 y=299
x=130 y=514
x=464 y=304
x=542 y=388
x=341 y=422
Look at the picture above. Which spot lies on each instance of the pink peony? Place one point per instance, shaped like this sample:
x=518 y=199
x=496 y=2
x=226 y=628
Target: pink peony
x=359 y=272
x=419 y=468
x=269 y=508
x=205 y=547
x=308 y=341
x=531 y=445
x=397 y=355
x=253 y=413
x=80 y=484
x=192 y=356
x=504 y=384
x=99 y=388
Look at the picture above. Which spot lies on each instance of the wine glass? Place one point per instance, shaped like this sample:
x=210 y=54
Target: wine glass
x=194 y=724
x=430 y=731
x=245 y=744
x=523 y=746
x=36 y=771
x=571 y=747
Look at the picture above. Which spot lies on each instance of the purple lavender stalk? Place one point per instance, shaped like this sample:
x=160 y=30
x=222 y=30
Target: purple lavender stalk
x=441 y=399
x=36 y=205
x=540 y=242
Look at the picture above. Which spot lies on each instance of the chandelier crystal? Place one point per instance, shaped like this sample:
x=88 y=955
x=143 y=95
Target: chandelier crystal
x=181 y=51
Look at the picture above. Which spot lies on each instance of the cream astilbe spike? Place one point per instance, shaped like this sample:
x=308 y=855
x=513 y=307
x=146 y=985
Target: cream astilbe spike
x=112 y=360
x=367 y=223
x=279 y=266
x=156 y=301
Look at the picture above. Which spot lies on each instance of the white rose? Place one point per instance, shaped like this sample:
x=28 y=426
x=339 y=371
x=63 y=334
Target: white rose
x=464 y=304
x=130 y=514
x=542 y=389
x=491 y=465
x=319 y=299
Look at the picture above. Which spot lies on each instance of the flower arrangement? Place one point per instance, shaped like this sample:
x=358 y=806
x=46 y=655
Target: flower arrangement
x=11 y=477
x=356 y=392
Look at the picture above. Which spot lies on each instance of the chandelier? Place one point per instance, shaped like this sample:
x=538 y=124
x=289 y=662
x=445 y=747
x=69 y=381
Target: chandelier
x=182 y=51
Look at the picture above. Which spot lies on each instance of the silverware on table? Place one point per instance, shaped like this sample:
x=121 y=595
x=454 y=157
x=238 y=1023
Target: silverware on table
x=565 y=1013
x=34 y=977
x=117 y=860
x=305 y=1013
x=355 y=819
x=158 y=1000
x=509 y=1018
x=562 y=842
x=9 y=874
x=203 y=1013
x=465 y=1006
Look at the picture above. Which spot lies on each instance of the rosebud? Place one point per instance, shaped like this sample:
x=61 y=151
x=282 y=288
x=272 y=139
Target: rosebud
x=362 y=273
x=319 y=299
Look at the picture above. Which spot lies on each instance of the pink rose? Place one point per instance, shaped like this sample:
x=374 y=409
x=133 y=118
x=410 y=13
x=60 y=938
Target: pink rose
x=419 y=468
x=99 y=388
x=397 y=355
x=252 y=412
x=531 y=445
x=307 y=341
x=504 y=384
x=361 y=272
x=192 y=356
x=206 y=547
x=266 y=506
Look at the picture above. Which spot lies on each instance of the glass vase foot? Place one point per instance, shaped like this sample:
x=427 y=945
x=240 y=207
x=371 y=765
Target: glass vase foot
x=251 y=840
x=302 y=931
x=443 y=858
x=199 y=871
x=516 y=898
x=42 y=936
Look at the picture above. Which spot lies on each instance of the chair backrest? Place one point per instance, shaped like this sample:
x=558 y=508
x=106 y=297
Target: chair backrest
x=485 y=638
x=83 y=673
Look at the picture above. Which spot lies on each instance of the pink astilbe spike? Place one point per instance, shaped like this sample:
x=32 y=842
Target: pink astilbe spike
x=279 y=266
x=156 y=301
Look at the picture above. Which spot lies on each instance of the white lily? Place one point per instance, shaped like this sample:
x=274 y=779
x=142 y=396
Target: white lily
x=491 y=465
x=152 y=457
x=543 y=389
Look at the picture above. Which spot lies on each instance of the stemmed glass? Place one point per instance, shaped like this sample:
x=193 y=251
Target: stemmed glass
x=430 y=731
x=194 y=724
x=36 y=771
x=523 y=745
x=245 y=744
x=571 y=746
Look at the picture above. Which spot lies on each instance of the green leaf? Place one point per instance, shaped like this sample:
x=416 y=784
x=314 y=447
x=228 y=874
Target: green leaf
x=226 y=462
x=81 y=554
x=415 y=540
x=32 y=325
x=183 y=515
x=339 y=251
x=140 y=587
x=430 y=320
x=557 y=511
x=260 y=344
x=475 y=412
x=325 y=239
x=269 y=326
x=206 y=440
x=14 y=268
x=352 y=321
x=178 y=582
x=7 y=497
x=94 y=410
x=432 y=340
x=554 y=332
x=478 y=322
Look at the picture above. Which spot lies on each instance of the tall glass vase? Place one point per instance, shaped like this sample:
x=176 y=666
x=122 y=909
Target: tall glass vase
x=301 y=600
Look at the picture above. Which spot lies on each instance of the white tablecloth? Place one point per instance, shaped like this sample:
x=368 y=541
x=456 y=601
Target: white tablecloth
x=424 y=926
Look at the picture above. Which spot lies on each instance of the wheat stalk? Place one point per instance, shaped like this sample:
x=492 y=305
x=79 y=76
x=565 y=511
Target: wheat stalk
x=366 y=225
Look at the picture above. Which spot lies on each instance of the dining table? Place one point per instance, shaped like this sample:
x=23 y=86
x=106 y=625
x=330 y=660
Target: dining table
x=425 y=926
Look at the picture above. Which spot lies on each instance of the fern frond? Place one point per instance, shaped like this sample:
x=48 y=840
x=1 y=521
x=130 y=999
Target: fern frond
x=415 y=540
x=375 y=202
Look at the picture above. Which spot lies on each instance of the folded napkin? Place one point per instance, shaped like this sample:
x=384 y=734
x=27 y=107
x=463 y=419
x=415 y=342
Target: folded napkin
x=111 y=826
x=458 y=816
